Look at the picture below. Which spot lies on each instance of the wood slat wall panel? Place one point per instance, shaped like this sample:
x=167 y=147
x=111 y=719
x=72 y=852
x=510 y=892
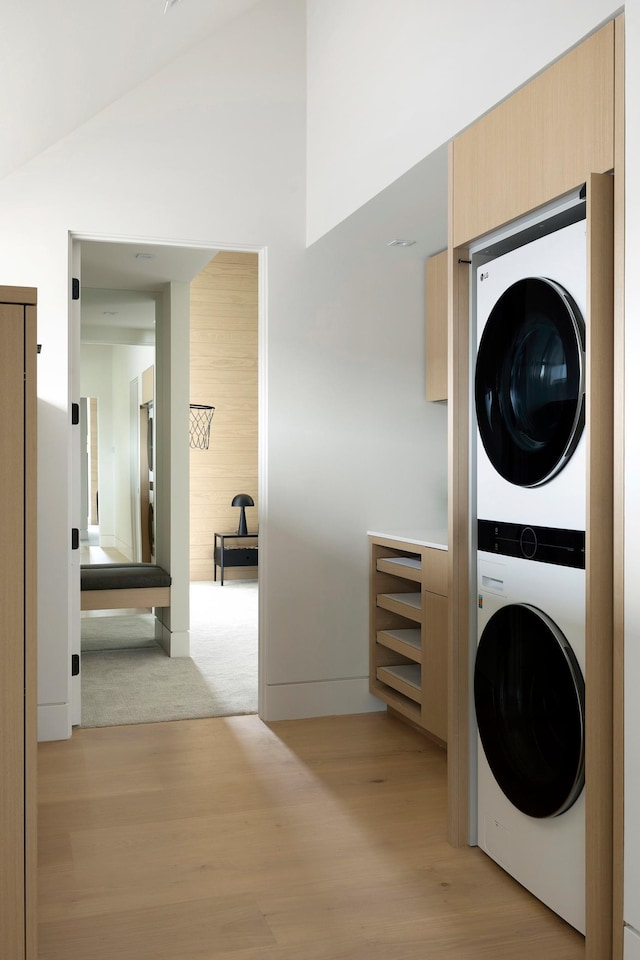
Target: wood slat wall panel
x=224 y=373
x=541 y=142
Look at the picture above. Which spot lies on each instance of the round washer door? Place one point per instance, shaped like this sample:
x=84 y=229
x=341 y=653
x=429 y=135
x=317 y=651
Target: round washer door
x=529 y=696
x=529 y=387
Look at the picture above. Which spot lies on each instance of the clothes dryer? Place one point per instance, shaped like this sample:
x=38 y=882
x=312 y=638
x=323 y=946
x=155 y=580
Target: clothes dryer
x=529 y=700
x=530 y=382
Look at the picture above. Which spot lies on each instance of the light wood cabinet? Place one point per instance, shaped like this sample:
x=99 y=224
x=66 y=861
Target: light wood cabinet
x=408 y=630
x=436 y=326
x=556 y=133
x=539 y=143
x=18 y=852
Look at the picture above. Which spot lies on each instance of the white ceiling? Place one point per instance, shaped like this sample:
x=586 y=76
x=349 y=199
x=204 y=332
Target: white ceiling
x=64 y=61
x=120 y=283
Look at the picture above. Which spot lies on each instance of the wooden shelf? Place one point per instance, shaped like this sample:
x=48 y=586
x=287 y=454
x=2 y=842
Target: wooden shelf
x=405 y=604
x=403 y=705
x=407 y=642
x=408 y=567
x=405 y=678
x=408 y=631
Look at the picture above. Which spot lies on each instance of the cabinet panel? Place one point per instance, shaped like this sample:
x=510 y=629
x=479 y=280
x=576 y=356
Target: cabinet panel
x=436 y=326
x=408 y=631
x=434 y=704
x=18 y=605
x=12 y=798
x=544 y=140
x=436 y=571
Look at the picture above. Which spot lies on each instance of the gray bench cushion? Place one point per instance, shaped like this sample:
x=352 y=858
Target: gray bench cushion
x=122 y=576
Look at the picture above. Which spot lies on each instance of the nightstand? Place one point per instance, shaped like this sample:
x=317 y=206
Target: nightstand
x=242 y=553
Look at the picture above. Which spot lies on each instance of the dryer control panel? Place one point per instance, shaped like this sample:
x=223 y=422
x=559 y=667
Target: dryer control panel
x=542 y=544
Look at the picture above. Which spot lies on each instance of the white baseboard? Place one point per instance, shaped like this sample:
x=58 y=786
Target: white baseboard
x=631 y=944
x=54 y=721
x=174 y=644
x=322 y=698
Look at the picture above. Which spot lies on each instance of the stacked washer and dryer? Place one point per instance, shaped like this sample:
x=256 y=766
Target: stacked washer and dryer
x=531 y=507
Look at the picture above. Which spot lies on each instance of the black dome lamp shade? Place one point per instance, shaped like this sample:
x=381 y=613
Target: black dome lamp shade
x=242 y=500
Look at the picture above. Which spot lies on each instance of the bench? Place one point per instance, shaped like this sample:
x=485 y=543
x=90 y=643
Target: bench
x=120 y=586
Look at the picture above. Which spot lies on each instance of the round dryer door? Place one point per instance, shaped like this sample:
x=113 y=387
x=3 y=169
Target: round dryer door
x=529 y=695
x=530 y=381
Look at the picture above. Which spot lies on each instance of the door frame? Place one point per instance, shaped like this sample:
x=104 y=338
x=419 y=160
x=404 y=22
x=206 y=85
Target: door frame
x=76 y=239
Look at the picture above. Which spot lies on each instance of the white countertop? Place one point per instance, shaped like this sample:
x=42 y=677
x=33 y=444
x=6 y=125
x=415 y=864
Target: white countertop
x=437 y=539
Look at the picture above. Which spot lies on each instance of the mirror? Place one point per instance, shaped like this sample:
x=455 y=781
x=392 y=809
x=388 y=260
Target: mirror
x=117 y=383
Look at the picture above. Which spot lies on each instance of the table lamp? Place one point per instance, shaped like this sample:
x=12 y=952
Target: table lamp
x=242 y=500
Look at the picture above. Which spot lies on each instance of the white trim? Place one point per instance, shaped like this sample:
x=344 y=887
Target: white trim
x=263 y=525
x=165 y=242
x=174 y=644
x=548 y=210
x=54 y=721
x=321 y=698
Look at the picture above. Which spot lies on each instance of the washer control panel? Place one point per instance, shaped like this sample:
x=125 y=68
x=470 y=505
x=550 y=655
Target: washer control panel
x=542 y=544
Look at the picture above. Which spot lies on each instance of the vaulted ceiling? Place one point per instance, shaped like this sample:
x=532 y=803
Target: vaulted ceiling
x=64 y=61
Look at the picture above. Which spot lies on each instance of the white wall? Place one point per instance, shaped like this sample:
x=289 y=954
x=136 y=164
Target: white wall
x=389 y=82
x=171 y=454
x=210 y=150
x=364 y=451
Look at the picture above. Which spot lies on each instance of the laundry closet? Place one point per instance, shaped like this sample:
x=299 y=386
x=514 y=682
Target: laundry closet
x=535 y=303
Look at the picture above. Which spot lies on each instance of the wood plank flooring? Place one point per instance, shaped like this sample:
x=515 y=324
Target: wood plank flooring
x=230 y=839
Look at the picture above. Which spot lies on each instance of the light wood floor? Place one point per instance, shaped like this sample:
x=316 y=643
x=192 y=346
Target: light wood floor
x=229 y=839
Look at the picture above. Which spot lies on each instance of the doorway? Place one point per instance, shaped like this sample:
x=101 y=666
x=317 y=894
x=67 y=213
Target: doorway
x=100 y=270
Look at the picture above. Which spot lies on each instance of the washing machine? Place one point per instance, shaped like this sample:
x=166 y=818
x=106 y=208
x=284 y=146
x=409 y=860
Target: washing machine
x=529 y=705
x=530 y=381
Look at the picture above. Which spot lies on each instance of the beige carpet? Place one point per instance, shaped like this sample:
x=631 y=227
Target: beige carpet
x=127 y=677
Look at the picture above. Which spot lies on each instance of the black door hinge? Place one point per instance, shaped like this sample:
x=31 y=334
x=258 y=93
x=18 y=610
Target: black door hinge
x=75 y=664
x=75 y=413
x=75 y=538
x=75 y=288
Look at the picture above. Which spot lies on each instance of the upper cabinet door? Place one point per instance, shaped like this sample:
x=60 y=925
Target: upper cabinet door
x=436 y=323
x=544 y=140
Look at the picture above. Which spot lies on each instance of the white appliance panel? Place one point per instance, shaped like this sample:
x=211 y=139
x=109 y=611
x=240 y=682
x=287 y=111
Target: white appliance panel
x=547 y=856
x=561 y=502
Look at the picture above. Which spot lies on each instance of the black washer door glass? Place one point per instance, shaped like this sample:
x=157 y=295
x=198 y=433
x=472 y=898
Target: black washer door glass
x=529 y=695
x=530 y=381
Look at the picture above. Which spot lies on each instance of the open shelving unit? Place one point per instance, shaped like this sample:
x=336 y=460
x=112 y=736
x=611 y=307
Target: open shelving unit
x=408 y=630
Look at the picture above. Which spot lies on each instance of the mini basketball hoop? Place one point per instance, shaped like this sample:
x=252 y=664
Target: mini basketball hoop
x=200 y=415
